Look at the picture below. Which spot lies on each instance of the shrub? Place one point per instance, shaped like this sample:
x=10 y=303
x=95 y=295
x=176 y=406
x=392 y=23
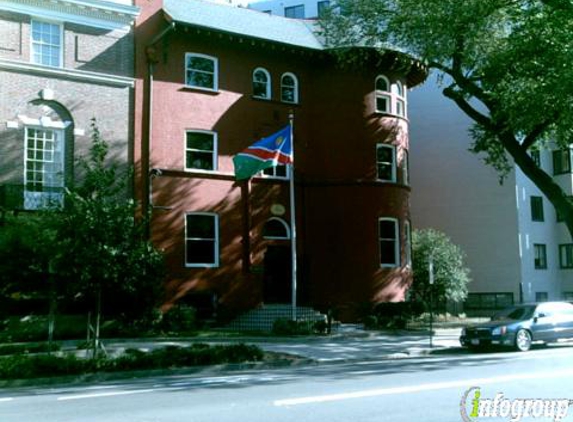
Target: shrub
x=22 y=366
x=12 y=349
x=180 y=318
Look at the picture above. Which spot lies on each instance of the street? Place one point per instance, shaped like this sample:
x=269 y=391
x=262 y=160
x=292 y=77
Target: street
x=418 y=389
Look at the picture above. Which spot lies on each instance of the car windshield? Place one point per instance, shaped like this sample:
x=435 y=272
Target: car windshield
x=515 y=313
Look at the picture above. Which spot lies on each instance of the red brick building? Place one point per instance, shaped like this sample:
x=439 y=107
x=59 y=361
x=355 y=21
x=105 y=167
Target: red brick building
x=211 y=80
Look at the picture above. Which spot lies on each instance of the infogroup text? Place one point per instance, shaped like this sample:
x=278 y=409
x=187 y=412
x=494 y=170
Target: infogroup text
x=473 y=407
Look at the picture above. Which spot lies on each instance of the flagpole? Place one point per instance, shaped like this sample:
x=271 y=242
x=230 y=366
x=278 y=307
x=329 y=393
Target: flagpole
x=292 y=220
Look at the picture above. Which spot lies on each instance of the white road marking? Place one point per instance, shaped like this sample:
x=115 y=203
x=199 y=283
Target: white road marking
x=419 y=388
x=107 y=394
x=3 y=399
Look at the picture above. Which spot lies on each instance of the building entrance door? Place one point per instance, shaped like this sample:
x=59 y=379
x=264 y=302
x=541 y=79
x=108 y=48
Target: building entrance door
x=277 y=274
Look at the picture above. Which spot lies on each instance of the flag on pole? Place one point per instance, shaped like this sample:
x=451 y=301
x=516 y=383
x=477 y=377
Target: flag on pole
x=268 y=152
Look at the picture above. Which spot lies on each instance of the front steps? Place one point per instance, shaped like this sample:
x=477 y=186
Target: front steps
x=263 y=318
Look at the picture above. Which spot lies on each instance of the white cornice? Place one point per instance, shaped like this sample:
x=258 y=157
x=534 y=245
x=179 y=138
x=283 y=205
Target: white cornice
x=71 y=74
x=95 y=13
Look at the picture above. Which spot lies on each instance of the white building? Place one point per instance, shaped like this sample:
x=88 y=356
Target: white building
x=516 y=248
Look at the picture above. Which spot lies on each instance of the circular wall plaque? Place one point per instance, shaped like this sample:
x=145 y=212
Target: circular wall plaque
x=278 y=209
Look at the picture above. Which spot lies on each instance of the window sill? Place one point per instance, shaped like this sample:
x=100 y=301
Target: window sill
x=388 y=114
x=201 y=265
x=200 y=90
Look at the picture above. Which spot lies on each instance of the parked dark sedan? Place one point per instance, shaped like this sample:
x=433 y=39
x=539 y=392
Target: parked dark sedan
x=520 y=325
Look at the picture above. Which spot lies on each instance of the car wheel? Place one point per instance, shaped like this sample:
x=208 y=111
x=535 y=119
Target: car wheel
x=523 y=340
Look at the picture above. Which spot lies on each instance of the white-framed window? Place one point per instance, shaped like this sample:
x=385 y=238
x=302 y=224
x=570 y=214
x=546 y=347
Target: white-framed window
x=540 y=256
x=200 y=150
x=47 y=42
x=276 y=172
x=296 y=12
x=261 y=84
x=201 y=71
x=390 y=98
x=406 y=167
x=276 y=229
x=386 y=162
x=389 y=243
x=399 y=98
x=201 y=239
x=408 y=245
x=383 y=95
x=43 y=168
x=289 y=88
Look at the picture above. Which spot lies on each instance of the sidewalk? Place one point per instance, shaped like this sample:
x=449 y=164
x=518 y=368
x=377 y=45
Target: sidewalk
x=350 y=343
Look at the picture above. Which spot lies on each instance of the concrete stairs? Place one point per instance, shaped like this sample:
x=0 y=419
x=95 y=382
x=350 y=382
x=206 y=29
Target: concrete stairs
x=263 y=318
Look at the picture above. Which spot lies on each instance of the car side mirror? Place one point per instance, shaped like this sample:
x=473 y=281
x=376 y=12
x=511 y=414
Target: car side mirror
x=535 y=318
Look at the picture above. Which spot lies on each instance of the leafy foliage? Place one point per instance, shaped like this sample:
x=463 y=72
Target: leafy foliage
x=101 y=245
x=507 y=64
x=451 y=276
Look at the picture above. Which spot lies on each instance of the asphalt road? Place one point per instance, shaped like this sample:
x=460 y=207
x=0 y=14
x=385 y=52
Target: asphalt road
x=423 y=389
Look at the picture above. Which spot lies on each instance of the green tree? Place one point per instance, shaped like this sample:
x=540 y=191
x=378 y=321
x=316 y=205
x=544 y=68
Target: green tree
x=451 y=276
x=507 y=64
x=102 y=253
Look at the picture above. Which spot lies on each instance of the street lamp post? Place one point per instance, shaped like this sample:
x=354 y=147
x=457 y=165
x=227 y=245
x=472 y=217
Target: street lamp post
x=431 y=281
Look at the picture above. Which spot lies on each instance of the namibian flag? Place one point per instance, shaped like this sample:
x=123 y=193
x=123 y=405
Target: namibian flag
x=268 y=152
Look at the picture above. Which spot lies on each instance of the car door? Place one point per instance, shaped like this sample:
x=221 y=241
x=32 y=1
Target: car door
x=542 y=326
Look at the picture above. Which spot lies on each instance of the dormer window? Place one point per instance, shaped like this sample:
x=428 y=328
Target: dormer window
x=289 y=88
x=261 y=84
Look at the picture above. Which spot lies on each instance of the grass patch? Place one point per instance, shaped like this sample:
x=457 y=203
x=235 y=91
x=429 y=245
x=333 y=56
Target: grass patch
x=35 y=366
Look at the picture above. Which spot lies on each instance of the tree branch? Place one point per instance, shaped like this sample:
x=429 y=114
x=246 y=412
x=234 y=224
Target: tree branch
x=475 y=115
x=537 y=131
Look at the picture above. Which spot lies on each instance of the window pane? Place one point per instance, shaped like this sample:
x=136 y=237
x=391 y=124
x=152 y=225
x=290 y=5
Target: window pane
x=200 y=252
x=296 y=12
x=201 y=226
x=287 y=95
x=382 y=104
x=382 y=85
x=387 y=229
x=200 y=141
x=201 y=63
x=274 y=228
x=199 y=160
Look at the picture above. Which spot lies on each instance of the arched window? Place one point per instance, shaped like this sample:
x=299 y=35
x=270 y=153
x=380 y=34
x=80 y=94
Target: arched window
x=289 y=88
x=276 y=229
x=383 y=95
x=400 y=99
x=261 y=84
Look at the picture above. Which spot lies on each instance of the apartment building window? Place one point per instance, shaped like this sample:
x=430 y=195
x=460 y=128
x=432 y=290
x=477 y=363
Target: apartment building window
x=566 y=255
x=388 y=238
x=47 y=43
x=483 y=301
x=322 y=6
x=201 y=240
x=536 y=157
x=201 y=71
x=540 y=256
x=386 y=162
x=43 y=168
x=562 y=161
x=559 y=216
x=289 y=88
x=541 y=297
x=568 y=296
x=537 y=208
x=383 y=95
x=261 y=84
x=296 y=12
x=200 y=150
